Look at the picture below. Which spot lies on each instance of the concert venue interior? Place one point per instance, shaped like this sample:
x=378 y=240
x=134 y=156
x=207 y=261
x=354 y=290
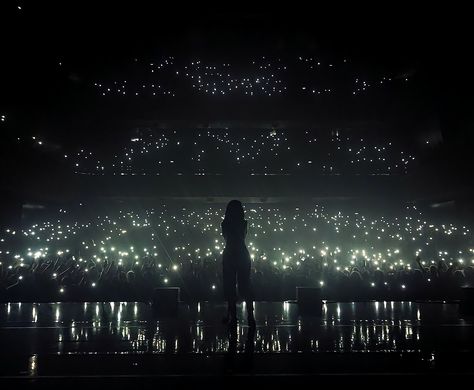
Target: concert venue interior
x=127 y=129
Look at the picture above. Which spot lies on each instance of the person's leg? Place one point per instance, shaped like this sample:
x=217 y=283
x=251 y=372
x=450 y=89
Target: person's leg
x=245 y=290
x=250 y=316
x=229 y=278
x=232 y=311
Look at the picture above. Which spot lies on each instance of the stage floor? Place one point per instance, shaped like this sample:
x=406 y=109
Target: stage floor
x=127 y=339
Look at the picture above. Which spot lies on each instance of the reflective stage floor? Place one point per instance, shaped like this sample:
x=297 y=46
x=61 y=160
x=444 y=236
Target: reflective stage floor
x=46 y=342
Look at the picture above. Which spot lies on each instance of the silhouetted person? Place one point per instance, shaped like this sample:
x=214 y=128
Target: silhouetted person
x=249 y=348
x=236 y=262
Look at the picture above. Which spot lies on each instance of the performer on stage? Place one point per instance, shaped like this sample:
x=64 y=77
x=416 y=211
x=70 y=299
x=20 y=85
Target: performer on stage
x=236 y=262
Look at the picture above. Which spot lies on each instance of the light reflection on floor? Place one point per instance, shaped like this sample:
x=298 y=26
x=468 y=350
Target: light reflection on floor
x=128 y=327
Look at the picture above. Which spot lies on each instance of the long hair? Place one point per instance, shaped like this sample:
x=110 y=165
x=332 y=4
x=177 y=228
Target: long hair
x=234 y=212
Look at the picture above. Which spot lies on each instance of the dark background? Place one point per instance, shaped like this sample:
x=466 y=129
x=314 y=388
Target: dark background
x=429 y=43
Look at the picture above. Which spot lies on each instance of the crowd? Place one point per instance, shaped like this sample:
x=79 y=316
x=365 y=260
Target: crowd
x=263 y=77
x=125 y=255
x=149 y=151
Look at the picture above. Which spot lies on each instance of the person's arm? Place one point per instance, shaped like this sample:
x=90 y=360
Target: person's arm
x=64 y=272
x=56 y=267
x=245 y=229
x=418 y=261
x=12 y=285
x=224 y=230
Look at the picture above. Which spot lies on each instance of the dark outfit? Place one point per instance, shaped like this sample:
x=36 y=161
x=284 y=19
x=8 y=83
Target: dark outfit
x=236 y=261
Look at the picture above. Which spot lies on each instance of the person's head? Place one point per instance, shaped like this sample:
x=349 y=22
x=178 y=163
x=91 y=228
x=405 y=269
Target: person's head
x=417 y=276
x=356 y=276
x=234 y=211
x=459 y=277
x=379 y=276
x=130 y=276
